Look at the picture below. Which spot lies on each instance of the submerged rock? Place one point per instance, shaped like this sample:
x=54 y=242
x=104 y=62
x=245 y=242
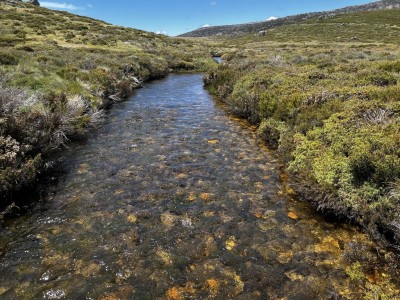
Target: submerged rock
x=54 y=294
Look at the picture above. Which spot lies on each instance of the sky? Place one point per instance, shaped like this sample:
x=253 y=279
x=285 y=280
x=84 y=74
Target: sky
x=173 y=17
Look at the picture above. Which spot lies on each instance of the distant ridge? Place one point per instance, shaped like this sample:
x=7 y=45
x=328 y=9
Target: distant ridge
x=261 y=27
x=33 y=2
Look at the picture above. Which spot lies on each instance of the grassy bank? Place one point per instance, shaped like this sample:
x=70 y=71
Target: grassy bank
x=332 y=109
x=58 y=71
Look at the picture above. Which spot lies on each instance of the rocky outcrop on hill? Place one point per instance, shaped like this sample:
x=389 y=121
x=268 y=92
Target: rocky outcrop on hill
x=262 y=27
x=34 y=2
x=15 y=2
x=11 y=2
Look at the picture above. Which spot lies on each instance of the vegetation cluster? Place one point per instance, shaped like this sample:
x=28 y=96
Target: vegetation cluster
x=331 y=109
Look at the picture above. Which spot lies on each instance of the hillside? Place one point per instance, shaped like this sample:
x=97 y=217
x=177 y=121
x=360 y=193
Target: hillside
x=262 y=27
x=57 y=73
x=365 y=27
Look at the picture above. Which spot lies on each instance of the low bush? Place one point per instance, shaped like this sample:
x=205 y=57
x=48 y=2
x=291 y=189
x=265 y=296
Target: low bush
x=33 y=125
x=8 y=59
x=334 y=121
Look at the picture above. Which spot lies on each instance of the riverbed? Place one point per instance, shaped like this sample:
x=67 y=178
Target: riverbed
x=172 y=198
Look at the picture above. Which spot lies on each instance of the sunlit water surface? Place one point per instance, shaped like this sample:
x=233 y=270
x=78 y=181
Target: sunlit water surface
x=174 y=199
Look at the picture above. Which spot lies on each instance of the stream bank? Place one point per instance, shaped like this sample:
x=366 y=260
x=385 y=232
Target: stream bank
x=171 y=198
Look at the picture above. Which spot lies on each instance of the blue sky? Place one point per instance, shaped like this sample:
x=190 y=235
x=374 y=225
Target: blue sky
x=173 y=17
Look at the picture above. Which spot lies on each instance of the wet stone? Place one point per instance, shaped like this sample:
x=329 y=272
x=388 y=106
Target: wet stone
x=55 y=294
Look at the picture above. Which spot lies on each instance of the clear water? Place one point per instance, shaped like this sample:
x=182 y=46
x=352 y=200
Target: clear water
x=173 y=199
x=218 y=59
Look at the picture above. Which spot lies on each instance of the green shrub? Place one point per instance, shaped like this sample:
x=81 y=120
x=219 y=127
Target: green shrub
x=183 y=66
x=268 y=103
x=380 y=79
x=334 y=121
x=8 y=59
x=99 y=42
x=69 y=36
x=271 y=131
x=391 y=66
x=69 y=73
x=245 y=98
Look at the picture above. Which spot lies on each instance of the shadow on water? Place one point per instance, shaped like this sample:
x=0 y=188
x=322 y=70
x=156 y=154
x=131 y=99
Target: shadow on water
x=174 y=199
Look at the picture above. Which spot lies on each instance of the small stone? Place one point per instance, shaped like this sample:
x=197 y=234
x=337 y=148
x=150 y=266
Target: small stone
x=258 y=185
x=205 y=196
x=168 y=219
x=230 y=243
x=285 y=257
x=132 y=218
x=46 y=276
x=293 y=276
x=213 y=142
x=55 y=294
x=191 y=196
x=267 y=225
x=258 y=214
x=56 y=230
x=187 y=222
x=290 y=191
x=110 y=297
x=165 y=257
x=213 y=285
x=209 y=214
x=173 y=294
x=328 y=244
x=292 y=215
x=268 y=214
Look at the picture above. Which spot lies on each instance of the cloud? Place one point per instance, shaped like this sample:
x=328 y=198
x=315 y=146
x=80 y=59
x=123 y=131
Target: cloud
x=206 y=25
x=57 y=5
x=213 y=3
x=89 y=5
x=161 y=32
x=272 y=18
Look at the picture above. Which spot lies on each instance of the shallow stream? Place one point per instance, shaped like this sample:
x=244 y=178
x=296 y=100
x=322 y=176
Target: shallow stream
x=174 y=199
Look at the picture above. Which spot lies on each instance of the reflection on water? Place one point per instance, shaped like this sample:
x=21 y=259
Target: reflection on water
x=218 y=59
x=173 y=199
